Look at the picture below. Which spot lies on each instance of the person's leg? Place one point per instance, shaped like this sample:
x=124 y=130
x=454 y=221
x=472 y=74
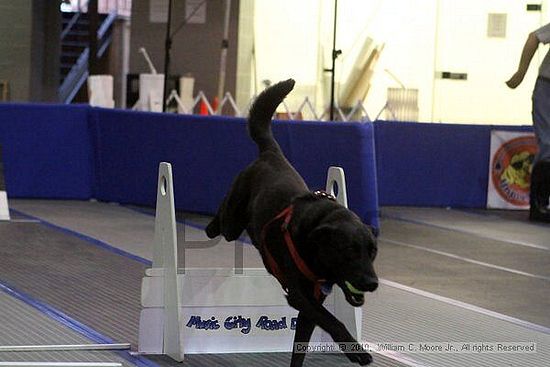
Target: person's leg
x=544 y=191
x=538 y=210
x=540 y=175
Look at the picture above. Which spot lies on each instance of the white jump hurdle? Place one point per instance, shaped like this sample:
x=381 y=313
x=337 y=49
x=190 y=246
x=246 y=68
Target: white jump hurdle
x=4 y=208
x=215 y=310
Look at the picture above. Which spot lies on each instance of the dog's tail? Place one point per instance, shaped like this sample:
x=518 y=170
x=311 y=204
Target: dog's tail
x=261 y=112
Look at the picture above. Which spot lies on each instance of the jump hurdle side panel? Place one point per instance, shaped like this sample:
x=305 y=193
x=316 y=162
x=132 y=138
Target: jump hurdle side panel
x=165 y=257
x=350 y=316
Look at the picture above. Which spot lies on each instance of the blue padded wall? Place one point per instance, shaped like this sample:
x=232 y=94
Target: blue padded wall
x=47 y=151
x=314 y=146
x=205 y=153
x=433 y=164
x=208 y=152
x=78 y=152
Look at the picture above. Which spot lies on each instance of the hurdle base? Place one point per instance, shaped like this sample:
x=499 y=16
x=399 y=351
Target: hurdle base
x=223 y=312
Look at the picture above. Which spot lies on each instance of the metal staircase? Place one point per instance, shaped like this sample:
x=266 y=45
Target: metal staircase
x=75 y=50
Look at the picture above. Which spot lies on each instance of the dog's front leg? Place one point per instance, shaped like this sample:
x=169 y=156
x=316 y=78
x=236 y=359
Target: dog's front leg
x=304 y=329
x=231 y=218
x=320 y=316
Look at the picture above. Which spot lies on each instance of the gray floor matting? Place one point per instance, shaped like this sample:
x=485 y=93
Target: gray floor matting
x=512 y=229
x=271 y=360
x=70 y=273
x=398 y=316
x=132 y=231
x=488 y=286
x=493 y=251
x=86 y=282
x=21 y=324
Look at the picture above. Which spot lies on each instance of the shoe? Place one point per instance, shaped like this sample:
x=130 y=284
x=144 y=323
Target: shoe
x=539 y=214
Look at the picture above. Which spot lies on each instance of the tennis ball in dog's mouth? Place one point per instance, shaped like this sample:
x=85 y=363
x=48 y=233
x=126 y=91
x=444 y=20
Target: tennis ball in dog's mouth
x=353 y=290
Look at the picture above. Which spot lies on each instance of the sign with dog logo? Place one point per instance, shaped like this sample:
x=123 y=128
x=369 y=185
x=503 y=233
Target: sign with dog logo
x=511 y=162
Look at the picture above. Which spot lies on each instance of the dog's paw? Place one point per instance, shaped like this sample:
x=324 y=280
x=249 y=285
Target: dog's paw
x=361 y=358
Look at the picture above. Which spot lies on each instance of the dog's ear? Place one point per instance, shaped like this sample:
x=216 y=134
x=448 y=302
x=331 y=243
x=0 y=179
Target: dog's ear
x=320 y=234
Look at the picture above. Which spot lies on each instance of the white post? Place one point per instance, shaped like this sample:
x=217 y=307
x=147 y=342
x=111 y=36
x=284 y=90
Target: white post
x=350 y=316
x=223 y=57
x=151 y=87
x=100 y=91
x=165 y=257
x=4 y=208
x=186 y=94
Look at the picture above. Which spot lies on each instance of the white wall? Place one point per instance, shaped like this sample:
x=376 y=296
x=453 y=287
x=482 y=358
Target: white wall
x=463 y=46
x=421 y=37
x=286 y=44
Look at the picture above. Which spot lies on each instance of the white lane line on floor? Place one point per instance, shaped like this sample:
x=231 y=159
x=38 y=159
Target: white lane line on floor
x=406 y=360
x=468 y=306
x=466 y=259
x=465 y=231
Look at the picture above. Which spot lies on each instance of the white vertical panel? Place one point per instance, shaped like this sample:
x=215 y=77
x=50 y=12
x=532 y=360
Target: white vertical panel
x=165 y=256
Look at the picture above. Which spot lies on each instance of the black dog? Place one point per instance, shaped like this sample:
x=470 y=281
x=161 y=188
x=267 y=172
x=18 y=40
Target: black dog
x=306 y=240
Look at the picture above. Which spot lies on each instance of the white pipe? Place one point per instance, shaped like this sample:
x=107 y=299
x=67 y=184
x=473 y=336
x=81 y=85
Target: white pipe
x=36 y=348
x=59 y=364
x=223 y=57
x=143 y=51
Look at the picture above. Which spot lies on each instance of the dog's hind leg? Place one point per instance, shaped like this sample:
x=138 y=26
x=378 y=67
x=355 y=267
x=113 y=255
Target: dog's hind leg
x=304 y=329
x=231 y=218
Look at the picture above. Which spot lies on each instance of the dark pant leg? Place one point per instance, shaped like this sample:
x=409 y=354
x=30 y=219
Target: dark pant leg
x=540 y=191
x=544 y=189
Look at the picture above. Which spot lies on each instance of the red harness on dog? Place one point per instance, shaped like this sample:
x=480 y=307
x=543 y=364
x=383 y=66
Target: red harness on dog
x=286 y=215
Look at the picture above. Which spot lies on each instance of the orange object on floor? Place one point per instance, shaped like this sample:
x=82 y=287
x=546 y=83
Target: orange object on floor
x=215 y=104
x=203 y=110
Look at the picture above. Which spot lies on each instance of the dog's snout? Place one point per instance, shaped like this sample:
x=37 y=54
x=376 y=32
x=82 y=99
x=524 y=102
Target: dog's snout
x=371 y=284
